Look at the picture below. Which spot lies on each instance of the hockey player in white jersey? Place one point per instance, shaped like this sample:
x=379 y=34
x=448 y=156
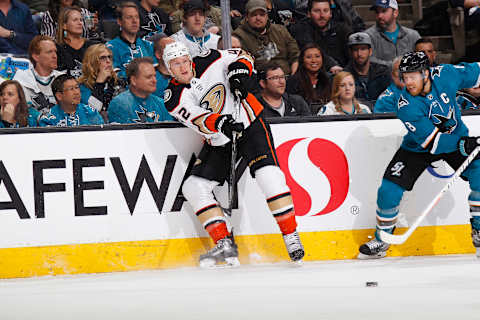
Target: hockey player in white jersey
x=201 y=96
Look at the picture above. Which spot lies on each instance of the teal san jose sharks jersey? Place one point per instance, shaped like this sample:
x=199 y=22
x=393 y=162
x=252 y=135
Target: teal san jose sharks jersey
x=434 y=121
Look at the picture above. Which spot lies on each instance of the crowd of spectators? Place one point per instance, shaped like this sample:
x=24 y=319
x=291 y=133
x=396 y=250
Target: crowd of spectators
x=312 y=57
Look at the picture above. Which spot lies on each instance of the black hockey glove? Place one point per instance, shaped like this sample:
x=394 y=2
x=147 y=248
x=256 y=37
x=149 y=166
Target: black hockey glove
x=226 y=125
x=467 y=144
x=238 y=75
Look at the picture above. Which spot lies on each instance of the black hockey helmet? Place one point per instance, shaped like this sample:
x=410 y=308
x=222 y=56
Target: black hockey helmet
x=414 y=61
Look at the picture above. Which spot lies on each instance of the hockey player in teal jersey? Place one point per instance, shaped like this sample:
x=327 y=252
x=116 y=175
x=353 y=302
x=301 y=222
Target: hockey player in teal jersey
x=428 y=109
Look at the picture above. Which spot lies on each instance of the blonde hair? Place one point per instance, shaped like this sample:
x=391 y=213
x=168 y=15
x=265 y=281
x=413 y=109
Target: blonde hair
x=62 y=21
x=91 y=65
x=336 y=91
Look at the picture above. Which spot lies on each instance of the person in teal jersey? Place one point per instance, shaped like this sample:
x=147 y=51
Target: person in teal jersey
x=128 y=46
x=138 y=104
x=161 y=72
x=435 y=131
x=14 y=110
x=69 y=112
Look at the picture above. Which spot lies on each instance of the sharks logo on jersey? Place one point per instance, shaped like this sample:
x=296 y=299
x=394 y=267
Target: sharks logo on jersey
x=402 y=102
x=386 y=93
x=445 y=123
x=436 y=71
x=143 y=116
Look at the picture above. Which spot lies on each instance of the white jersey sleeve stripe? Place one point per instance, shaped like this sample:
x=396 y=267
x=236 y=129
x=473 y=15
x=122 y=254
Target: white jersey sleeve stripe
x=429 y=138
x=435 y=144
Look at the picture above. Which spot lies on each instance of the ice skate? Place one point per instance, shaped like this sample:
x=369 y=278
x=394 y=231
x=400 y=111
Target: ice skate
x=475 y=239
x=373 y=249
x=224 y=254
x=294 y=246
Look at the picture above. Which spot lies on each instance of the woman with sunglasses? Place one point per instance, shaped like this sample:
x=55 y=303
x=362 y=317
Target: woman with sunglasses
x=99 y=83
x=14 y=110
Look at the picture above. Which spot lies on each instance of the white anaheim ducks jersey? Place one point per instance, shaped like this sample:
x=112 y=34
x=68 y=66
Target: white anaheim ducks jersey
x=199 y=104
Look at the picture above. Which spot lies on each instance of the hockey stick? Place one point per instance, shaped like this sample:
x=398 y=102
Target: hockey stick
x=233 y=161
x=401 y=238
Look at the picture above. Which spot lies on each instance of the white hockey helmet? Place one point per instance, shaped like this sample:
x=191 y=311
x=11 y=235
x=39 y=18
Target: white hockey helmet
x=174 y=50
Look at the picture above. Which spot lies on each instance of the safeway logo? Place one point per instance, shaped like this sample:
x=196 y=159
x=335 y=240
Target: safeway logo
x=312 y=166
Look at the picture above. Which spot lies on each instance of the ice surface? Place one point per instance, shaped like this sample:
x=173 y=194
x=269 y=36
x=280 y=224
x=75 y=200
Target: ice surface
x=441 y=287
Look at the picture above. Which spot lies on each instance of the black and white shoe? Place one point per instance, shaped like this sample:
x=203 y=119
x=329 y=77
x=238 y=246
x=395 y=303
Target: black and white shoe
x=294 y=246
x=373 y=249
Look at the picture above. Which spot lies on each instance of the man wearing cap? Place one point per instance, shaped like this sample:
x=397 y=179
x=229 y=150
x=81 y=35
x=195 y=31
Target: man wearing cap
x=321 y=29
x=389 y=38
x=370 y=78
x=266 y=41
x=194 y=34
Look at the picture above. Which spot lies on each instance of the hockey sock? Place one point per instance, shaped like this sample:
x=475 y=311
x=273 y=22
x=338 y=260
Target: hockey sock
x=474 y=202
x=217 y=230
x=287 y=222
x=386 y=220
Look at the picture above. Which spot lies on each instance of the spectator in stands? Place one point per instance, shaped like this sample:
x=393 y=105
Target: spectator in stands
x=14 y=110
x=343 y=97
x=36 y=81
x=16 y=27
x=138 y=104
x=276 y=102
x=267 y=41
x=213 y=18
x=128 y=45
x=311 y=81
x=50 y=18
x=389 y=38
x=99 y=83
x=169 y=6
x=469 y=99
x=237 y=11
x=388 y=100
x=426 y=45
x=153 y=19
x=162 y=75
x=235 y=43
x=371 y=78
x=321 y=29
x=194 y=34
x=71 y=46
x=69 y=112
x=472 y=12
x=343 y=12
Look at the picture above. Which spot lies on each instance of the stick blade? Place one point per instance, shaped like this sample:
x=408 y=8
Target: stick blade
x=392 y=238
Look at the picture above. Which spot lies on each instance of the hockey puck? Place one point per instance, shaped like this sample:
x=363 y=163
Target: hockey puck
x=371 y=283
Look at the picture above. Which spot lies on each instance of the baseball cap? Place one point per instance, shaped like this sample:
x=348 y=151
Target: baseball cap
x=253 y=5
x=191 y=5
x=359 y=38
x=385 y=4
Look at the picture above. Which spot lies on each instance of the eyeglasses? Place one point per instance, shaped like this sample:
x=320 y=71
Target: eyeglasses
x=277 y=78
x=76 y=87
x=105 y=58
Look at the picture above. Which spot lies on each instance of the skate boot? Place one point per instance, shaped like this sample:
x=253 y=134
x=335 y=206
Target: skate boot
x=294 y=246
x=475 y=235
x=225 y=254
x=373 y=249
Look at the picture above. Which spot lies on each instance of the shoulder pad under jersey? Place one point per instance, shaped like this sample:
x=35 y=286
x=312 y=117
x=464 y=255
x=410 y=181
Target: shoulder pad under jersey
x=172 y=94
x=203 y=62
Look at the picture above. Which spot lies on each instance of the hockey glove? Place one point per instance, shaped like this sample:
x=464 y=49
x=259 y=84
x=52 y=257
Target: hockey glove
x=467 y=144
x=238 y=75
x=226 y=125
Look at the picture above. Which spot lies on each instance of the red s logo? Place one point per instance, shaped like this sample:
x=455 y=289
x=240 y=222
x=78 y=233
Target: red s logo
x=321 y=157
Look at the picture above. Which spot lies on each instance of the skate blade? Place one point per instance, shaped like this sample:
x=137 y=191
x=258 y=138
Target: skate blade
x=362 y=256
x=478 y=252
x=296 y=264
x=211 y=263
